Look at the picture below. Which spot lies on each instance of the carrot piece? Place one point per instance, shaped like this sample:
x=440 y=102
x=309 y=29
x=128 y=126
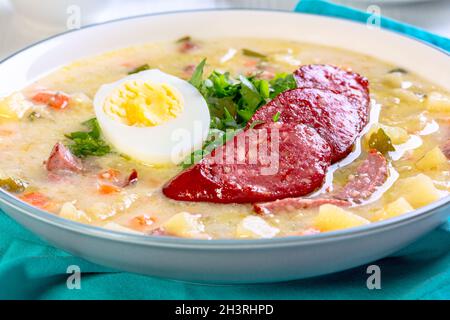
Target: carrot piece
x=142 y=222
x=42 y=97
x=251 y=63
x=107 y=188
x=36 y=199
x=57 y=100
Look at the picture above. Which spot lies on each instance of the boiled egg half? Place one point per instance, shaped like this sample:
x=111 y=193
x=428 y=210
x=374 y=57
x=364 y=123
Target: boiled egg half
x=152 y=117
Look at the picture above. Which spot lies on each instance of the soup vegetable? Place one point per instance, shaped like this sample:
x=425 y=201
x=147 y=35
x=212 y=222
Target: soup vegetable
x=227 y=138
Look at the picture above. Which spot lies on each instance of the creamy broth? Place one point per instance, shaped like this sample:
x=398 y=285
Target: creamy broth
x=406 y=103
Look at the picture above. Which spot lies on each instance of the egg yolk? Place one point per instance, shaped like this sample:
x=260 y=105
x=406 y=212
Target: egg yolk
x=143 y=103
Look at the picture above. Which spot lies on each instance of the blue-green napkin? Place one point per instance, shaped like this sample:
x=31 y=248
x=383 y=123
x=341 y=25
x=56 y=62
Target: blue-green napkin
x=31 y=269
x=334 y=10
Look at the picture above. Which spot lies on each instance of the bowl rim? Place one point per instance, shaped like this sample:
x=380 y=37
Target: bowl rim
x=14 y=203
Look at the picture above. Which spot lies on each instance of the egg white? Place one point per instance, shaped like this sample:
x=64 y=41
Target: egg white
x=167 y=143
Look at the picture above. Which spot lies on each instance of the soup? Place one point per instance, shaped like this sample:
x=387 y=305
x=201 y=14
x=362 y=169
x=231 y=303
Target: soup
x=113 y=164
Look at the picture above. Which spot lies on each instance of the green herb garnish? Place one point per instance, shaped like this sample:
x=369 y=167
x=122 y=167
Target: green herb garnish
x=88 y=143
x=184 y=39
x=250 y=100
x=380 y=141
x=215 y=139
x=233 y=101
x=251 y=53
x=197 y=75
x=398 y=70
x=139 y=69
x=276 y=116
x=282 y=82
x=34 y=116
x=256 y=123
x=15 y=185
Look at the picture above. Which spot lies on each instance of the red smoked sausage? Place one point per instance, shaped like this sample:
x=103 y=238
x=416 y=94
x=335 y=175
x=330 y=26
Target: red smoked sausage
x=293 y=163
x=331 y=114
x=350 y=84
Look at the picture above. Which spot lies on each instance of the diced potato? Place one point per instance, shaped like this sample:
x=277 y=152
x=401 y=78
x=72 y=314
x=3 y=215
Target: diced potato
x=418 y=190
x=437 y=102
x=117 y=227
x=186 y=225
x=396 y=134
x=80 y=100
x=69 y=211
x=393 y=209
x=14 y=107
x=393 y=79
x=433 y=159
x=331 y=218
x=406 y=95
x=254 y=227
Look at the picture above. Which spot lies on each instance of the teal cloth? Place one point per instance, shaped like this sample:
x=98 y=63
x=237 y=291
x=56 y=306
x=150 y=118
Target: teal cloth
x=31 y=269
x=334 y=10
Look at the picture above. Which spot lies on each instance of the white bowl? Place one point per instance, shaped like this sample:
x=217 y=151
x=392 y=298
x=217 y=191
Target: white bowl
x=227 y=261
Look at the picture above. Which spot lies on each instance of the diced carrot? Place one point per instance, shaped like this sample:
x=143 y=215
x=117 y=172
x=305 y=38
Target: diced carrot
x=107 y=188
x=4 y=132
x=142 y=222
x=251 y=63
x=36 y=199
x=42 y=97
x=56 y=100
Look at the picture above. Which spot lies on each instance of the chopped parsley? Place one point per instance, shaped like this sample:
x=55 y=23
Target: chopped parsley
x=251 y=53
x=398 y=70
x=88 y=143
x=184 y=39
x=215 y=139
x=139 y=69
x=276 y=116
x=232 y=101
x=380 y=141
x=11 y=184
x=256 y=123
x=280 y=83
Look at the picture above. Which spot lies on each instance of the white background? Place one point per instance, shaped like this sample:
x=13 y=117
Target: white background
x=23 y=22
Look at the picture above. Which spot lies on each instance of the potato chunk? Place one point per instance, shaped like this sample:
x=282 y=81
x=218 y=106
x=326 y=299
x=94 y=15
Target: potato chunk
x=255 y=227
x=331 y=218
x=418 y=190
x=117 y=227
x=69 y=211
x=14 y=107
x=433 y=159
x=393 y=209
x=393 y=79
x=437 y=102
x=396 y=134
x=186 y=225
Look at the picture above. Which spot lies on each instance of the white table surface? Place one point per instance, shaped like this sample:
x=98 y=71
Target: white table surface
x=18 y=30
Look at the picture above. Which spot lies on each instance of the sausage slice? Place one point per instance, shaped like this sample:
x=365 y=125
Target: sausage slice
x=61 y=159
x=257 y=165
x=292 y=204
x=331 y=114
x=350 y=84
x=370 y=175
